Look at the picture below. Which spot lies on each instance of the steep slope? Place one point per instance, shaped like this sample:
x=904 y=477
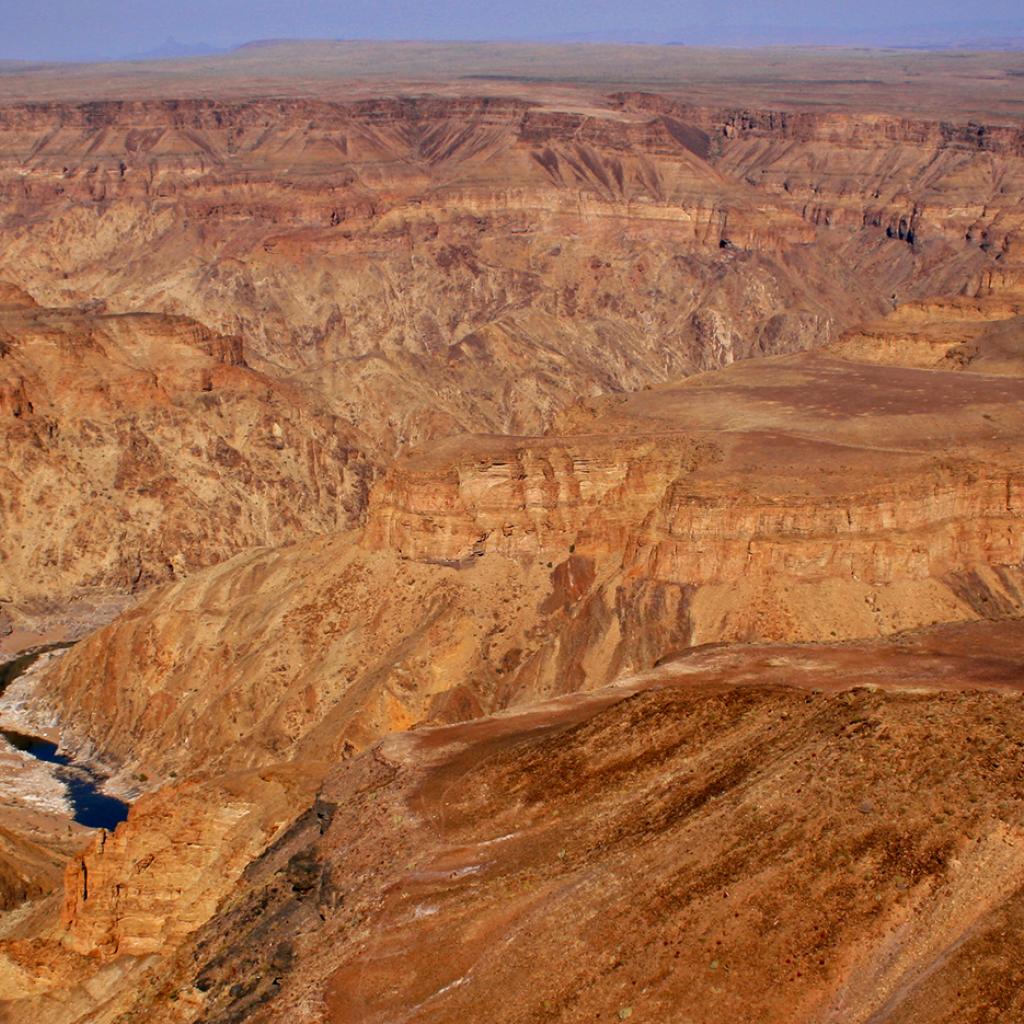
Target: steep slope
x=494 y=291
x=440 y=265
x=752 y=853
x=981 y=334
x=739 y=833
x=795 y=499
x=140 y=447
x=30 y=869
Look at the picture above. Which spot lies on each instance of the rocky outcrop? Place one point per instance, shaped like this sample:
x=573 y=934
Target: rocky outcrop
x=143 y=888
x=526 y=498
x=980 y=334
x=883 y=526
x=675 y=833
x=102 y=496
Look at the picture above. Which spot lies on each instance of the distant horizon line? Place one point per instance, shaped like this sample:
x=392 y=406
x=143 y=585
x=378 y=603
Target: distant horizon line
x=173 y=49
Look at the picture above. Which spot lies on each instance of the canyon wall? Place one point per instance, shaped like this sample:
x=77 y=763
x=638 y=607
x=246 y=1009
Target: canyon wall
x=474 y=306
x=143 y=888
x=441 y=265
x=141 y=447
x=980 y=333
x=345 y=281
x=804 y=498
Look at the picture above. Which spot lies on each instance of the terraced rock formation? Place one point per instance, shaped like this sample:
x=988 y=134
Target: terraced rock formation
x=574 y=547
x=979 y=333
x=437 y=265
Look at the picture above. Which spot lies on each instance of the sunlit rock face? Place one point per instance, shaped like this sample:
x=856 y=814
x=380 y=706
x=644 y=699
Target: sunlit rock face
x=314 y=286
x=439 y=265
x=559 y=542
x=140 y=447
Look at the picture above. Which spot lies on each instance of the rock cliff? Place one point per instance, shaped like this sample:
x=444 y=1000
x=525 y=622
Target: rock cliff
x=141 y=447
x=143 y=888
x=435 y=265
x=802 y=498
x=774 y=833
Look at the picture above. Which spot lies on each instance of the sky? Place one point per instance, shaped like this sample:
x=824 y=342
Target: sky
x=91 y=29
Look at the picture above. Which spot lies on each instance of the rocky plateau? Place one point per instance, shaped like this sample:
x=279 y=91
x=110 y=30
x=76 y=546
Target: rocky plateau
x=533 y=553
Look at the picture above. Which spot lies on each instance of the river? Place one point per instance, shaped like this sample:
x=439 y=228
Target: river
x=90 y=806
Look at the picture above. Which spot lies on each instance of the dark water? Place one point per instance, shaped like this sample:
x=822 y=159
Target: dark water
x=10 y=670
x=91 y=807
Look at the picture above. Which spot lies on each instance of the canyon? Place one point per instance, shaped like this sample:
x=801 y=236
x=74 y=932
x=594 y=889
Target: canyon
x=532 y=551
x=121 y=435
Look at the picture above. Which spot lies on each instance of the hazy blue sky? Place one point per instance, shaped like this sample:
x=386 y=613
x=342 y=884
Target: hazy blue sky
x=79 y=29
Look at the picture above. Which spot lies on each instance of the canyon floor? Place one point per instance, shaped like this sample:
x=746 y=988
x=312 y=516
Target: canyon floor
x=517 y=533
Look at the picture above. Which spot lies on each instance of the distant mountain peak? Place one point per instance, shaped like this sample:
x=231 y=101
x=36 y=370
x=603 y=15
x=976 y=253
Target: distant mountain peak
x=171 y=48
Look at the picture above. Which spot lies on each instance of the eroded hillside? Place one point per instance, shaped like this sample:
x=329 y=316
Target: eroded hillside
x=139 y=447
x=801 y=498
x=576 y=554
x=403 y=269
x=441 y=265
x=780 y=833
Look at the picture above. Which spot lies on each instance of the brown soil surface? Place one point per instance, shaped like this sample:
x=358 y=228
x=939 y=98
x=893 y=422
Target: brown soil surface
x=557 y=530
x=739 y=835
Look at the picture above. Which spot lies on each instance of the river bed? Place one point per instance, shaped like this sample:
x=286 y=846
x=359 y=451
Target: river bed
x=58 y=780
x=90 y=806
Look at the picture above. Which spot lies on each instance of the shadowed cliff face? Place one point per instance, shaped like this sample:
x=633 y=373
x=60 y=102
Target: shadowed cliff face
x=912 y=178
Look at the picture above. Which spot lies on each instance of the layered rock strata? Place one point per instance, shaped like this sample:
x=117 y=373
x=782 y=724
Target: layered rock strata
x=142 y=447
x=438 y=265
x=405 y=269
x=805 y=498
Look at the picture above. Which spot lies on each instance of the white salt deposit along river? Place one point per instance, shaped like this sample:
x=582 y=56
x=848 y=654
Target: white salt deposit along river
x=81 y=784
